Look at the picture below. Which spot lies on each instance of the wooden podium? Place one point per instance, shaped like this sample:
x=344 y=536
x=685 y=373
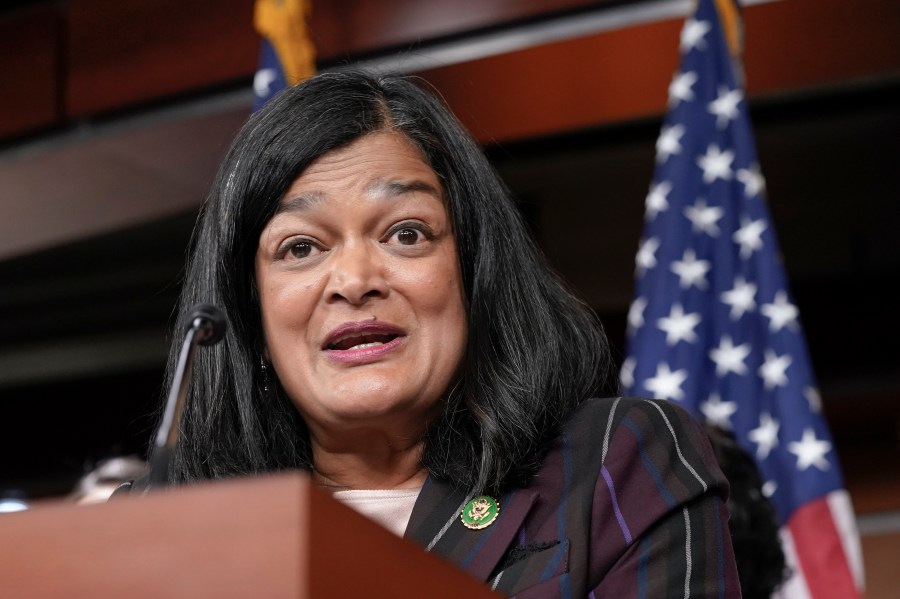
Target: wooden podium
x=275 y=536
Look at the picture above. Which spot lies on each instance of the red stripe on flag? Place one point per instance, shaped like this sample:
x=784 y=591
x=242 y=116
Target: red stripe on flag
x=821 y=553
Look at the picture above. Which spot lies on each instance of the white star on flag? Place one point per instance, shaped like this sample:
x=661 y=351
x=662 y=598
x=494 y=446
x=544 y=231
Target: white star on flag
x=718 y=412
x=636 y=314
x=716 y=164
x=729 y=358
x=810 y=451
x=692 y=34
x=262 y=79
x=769 y=487
x=666 y=384
x=741 y=297
x=691 y=271
x=813 y=399
x=646 y=256
x=754 y=182
x=656 y=200
x=773 y=371
x=704 y=218
x=781 y=313
x=765 y=435
x=749 y=236
x=669 y=142
x=680 y=88
x=626 y=375
x=679 y=326
x=724 y=107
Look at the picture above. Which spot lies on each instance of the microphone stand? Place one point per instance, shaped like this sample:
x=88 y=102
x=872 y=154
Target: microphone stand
x=206 y=327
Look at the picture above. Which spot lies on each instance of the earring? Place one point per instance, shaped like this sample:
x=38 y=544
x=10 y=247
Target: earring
x=265 y=375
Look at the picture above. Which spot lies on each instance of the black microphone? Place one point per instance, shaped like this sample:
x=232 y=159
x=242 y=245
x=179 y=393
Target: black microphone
x=206 y=326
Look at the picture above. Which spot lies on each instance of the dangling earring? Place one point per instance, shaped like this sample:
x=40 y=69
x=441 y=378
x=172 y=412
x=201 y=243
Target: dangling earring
x=265 y=375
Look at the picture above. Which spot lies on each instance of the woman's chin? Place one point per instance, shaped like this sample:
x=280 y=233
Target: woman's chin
x=365 y=410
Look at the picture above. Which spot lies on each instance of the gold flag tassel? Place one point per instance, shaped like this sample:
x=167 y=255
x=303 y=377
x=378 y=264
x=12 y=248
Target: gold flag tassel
x=283 y=23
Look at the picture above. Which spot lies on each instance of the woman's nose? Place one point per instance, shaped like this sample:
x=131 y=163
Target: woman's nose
x=357 y=274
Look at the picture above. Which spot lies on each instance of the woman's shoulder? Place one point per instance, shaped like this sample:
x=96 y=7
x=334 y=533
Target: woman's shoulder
x=620 y=429
x=610 y=412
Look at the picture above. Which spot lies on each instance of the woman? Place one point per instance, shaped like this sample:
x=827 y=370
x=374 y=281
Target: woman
x=394 y=332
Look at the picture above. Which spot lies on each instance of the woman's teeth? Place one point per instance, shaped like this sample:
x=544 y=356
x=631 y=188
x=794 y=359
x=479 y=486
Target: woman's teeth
x=365 y=345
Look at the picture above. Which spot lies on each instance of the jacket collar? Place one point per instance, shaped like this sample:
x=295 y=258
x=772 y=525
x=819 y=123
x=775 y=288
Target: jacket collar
x=435 y=524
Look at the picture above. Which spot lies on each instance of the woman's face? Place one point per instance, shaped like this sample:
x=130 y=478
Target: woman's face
x=360 y=289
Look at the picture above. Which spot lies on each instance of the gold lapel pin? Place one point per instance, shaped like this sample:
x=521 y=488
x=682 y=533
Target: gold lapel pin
x=480 y=512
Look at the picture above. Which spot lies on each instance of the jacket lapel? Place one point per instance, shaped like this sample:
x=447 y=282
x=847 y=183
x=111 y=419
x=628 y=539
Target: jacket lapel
x=436 y=525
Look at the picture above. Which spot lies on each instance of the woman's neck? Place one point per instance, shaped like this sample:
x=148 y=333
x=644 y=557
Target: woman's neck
x=373 y=463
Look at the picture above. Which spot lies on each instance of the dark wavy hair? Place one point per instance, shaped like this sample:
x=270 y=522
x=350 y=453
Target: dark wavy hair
x=753 y=523
x=533 y=353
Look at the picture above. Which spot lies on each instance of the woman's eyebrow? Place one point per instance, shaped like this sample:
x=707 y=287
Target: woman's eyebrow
x=379 y=188
x=390 y=189
x=301 y=201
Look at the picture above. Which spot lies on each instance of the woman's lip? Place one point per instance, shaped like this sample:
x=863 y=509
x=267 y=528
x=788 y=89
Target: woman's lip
x=359 y=329
x=364 y=355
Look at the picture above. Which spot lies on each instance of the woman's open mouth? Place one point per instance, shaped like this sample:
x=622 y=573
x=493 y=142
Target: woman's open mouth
x=360 y=342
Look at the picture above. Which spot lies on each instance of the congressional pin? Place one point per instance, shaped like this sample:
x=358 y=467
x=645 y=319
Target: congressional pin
x=480 y=512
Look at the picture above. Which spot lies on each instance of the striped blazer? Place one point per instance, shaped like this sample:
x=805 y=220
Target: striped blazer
x=628 y=502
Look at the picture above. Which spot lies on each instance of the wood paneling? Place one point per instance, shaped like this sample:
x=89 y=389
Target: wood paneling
x=85 y=57
x=122 y=53
x=563 y=86
x=347 y=27
x=809 y=43
x=29 y=63
x=882 y=575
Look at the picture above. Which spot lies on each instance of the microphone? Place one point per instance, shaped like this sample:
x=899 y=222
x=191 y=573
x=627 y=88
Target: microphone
x=206 y=326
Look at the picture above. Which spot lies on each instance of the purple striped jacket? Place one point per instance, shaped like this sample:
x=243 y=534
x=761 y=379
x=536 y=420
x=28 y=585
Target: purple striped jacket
x=628 y=502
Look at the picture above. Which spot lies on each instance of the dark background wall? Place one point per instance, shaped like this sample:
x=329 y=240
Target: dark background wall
x=115 y=115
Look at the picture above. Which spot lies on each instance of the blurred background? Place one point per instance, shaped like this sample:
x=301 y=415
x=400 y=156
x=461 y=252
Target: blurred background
x=114 y=115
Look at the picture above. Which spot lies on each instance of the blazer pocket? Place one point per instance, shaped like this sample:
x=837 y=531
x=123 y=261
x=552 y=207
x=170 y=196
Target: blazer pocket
x=536 y=570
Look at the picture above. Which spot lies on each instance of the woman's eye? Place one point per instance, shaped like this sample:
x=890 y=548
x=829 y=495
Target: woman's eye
x=301 y=249
x=408 y=236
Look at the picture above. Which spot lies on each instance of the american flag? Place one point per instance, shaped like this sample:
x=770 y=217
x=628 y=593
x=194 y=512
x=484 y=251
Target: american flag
x=287 y=55
x=713 y=326
x=269 y=77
